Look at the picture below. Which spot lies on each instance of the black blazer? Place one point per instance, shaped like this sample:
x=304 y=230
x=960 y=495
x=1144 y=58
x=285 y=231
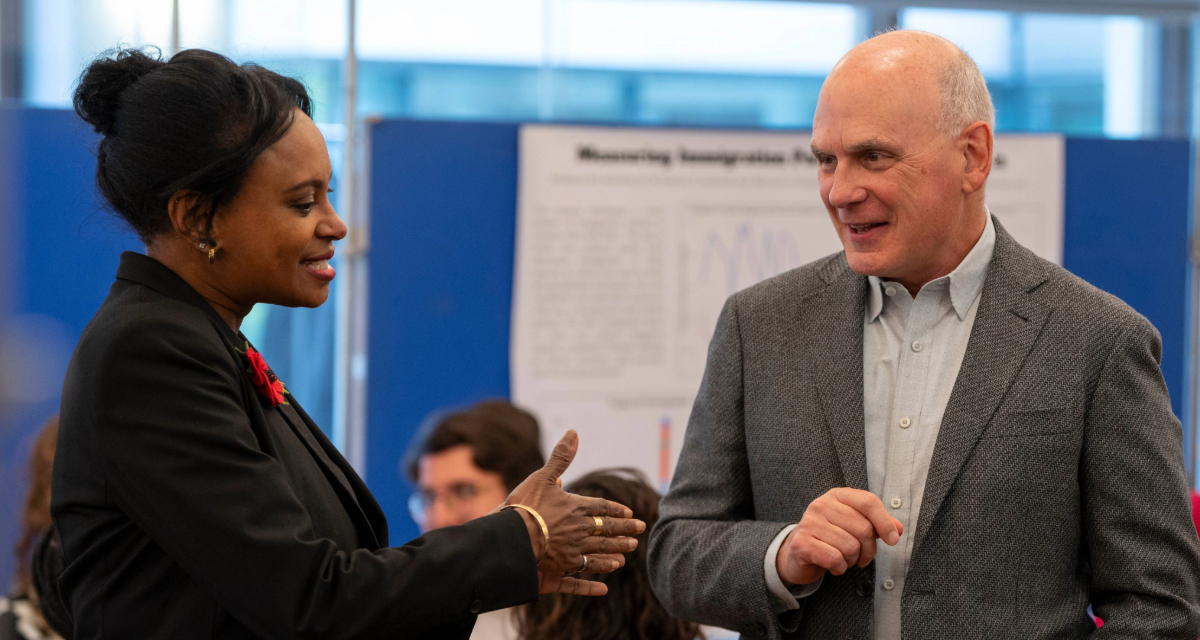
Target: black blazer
x=189 y=507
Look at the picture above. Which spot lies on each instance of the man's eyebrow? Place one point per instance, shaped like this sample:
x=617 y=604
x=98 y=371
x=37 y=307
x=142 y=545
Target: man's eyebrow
x=865 y=145
x=858 y=147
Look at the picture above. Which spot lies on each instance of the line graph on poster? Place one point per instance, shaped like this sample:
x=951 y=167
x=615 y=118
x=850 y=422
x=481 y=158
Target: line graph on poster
x=752 y=256
x=720 y=255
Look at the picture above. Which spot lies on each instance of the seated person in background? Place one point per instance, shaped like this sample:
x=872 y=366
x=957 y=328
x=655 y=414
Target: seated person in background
x=464 y=464
x=21 y=617
x=631 y=612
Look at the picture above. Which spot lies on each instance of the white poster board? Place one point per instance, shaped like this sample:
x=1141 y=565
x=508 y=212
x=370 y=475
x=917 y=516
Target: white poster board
x=630 y=240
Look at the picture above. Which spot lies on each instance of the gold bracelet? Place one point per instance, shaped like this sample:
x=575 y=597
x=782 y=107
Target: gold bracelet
x=541 y=523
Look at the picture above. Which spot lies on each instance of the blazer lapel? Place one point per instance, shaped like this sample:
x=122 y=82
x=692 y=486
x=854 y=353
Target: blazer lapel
x=1007 y=324
x=836 y=315
x=335 y=476
x=363 y=497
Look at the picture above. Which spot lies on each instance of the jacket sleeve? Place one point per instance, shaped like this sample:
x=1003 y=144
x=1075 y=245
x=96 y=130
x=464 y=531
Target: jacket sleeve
x=707 y=544
x=1138 y=530
x=181 y=460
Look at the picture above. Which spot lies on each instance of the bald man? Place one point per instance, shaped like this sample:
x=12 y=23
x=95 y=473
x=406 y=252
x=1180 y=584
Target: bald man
x=934 y=433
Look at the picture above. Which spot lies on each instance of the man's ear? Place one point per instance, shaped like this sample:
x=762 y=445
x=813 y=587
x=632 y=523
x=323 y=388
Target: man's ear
x=184 y=209
x=977 y=156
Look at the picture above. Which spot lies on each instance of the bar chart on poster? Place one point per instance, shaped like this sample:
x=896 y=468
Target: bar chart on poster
x=629 y=241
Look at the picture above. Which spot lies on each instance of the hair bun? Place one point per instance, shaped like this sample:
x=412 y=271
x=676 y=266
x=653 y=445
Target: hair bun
x=98 y=95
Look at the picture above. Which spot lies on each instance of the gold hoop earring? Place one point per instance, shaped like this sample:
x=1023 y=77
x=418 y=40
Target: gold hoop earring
x=212 y=251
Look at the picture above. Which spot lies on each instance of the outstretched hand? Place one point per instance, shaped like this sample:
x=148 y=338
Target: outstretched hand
x=571 y=521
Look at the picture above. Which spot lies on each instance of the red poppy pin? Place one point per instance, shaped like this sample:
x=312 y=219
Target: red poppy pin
x=265 y=380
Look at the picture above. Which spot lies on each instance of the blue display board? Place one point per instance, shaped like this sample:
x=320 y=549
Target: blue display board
x=443 y=212
x=443 y=222
x=61 y=252
x=1127 y=227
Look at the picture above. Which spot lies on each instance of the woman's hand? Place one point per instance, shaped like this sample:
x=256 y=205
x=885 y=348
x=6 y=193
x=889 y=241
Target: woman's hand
x=571 y=520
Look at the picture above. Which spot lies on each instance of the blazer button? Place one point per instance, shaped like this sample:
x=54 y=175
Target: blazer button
x=476 y=606
x=760 y=629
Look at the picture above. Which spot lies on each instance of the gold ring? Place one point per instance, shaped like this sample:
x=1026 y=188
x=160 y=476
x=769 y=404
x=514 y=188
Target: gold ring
x=599 y=526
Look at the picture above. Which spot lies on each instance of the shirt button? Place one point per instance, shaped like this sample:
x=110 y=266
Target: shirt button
x=905 y=422
x=889 y=584
x=891 y=291
x=916 y=346
x=896 y=502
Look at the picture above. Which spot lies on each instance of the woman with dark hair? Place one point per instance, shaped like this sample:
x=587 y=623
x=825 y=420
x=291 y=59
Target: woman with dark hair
x=193 y=495
x=632 y=612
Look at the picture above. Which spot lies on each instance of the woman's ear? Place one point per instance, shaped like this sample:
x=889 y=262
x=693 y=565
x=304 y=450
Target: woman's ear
x=184 y=209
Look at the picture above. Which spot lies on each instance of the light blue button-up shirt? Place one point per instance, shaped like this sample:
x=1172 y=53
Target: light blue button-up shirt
x=912 y=351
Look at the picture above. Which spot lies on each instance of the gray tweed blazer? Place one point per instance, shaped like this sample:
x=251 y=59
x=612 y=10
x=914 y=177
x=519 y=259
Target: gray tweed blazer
x=1056 y=481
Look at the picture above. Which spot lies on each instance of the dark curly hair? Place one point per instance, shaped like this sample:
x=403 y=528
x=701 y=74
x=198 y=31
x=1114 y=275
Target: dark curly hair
x=504 y=439
x=196 y=122
x=630 y=611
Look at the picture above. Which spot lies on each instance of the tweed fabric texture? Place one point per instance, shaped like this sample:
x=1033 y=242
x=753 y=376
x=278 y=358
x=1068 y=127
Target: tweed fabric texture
x=1056 y=480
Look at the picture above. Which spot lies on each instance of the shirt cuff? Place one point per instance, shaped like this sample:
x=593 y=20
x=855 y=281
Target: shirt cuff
x=785 y=599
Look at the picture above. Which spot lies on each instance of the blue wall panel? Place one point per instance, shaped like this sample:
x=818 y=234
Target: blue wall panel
x=443 y=218
x=72 y=244
x=1128 y=204
x=61 y=252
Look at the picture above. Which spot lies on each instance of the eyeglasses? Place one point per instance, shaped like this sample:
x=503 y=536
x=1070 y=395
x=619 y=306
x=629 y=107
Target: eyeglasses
x=458 y=498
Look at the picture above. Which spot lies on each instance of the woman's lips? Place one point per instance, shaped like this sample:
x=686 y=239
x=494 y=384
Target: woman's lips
x=320 y=268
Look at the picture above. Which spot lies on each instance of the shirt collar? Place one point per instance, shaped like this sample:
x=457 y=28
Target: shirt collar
x=966 y=281
x=875 y=303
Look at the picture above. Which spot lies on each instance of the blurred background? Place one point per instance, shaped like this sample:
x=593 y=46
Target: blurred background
x=1087 y=69
x=696 y=62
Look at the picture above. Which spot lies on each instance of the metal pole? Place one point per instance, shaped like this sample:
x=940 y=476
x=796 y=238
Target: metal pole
x=173 y=47
x=349 y=102
x=12 y=48
x=545 y=86
x=349 y=409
